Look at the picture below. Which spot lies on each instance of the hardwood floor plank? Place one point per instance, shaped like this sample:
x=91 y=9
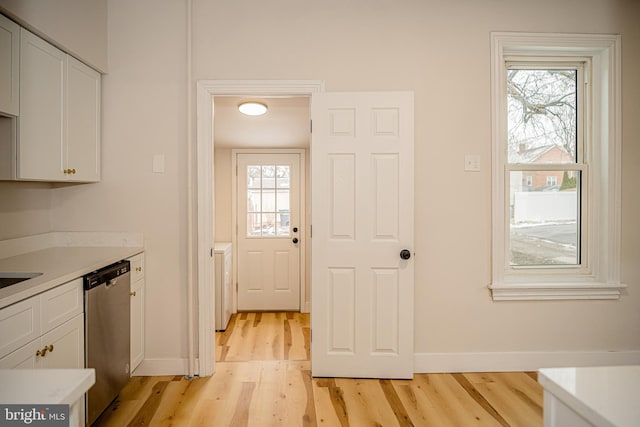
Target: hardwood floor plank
x=288 y=340
x=479 y=398
x=510 y=394
x=150 y=406
x=241 y=414
x=451 y=405
x=171 y=409
x=366 y=402
x=309 y=417
x=336 y=397
x=404 y=420
x=415 y=405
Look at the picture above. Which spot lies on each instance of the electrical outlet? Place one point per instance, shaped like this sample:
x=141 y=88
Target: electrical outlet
x=472 y=163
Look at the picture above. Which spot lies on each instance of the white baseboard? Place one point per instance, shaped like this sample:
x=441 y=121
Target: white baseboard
x=157 y=367
x=519 y=361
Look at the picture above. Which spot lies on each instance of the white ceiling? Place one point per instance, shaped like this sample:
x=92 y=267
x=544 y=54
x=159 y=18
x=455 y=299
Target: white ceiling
x=285 y=125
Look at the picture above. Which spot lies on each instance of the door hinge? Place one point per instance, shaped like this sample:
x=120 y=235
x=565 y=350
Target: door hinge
x=211 y=252
x=236 y=170
x=311 y=231
x=310 y=126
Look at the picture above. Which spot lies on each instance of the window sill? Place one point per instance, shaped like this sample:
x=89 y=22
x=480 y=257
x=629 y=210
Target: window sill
x=556 y=291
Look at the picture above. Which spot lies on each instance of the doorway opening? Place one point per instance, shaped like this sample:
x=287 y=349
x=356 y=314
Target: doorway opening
x=211 y=98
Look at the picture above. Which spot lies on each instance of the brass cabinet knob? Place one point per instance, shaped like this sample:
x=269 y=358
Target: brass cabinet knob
x=138 y=268
x=132 y=293
x=46 y=348
x=73 y=171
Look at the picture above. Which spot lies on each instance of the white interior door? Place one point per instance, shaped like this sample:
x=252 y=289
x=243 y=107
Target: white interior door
x=362 y=216
x=269 y=233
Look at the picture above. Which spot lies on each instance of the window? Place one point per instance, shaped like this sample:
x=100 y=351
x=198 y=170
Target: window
x=556 y=157
x=268 y=200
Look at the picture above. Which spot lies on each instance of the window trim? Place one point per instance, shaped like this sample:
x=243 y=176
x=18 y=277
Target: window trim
x=603 y=157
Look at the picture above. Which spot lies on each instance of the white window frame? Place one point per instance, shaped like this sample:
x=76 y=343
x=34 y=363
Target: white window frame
x=599 y=275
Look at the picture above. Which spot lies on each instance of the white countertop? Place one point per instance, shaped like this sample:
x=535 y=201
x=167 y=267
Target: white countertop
x=605 y=396
x=58 y=265
x=45 y=386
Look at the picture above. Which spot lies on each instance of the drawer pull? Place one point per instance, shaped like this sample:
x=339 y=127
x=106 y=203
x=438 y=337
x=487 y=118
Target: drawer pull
x=133 y=293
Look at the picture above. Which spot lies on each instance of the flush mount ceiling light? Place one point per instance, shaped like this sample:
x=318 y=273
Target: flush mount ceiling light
x=252 y=108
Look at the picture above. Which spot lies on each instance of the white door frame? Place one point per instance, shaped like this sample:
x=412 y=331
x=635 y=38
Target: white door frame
x=302 y=224
x=203 y=232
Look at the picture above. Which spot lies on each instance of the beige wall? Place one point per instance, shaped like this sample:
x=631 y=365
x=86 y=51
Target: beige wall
x=25 y=209
x=144 y=113
x=440 y=50
x=78 y=27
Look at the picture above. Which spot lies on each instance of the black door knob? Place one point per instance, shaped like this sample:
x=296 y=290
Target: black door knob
x=405 y=254
x=295 y=229
x=295 y=240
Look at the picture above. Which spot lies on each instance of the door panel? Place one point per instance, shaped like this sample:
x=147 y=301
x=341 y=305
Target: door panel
x=362 y=211
x=268 y=210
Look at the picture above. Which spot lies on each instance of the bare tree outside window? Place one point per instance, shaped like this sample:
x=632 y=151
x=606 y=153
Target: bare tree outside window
x=542 y=110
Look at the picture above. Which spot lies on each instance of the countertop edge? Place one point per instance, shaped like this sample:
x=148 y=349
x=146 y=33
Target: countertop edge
x=62 y=386
x=566 y=397
x=38 y=285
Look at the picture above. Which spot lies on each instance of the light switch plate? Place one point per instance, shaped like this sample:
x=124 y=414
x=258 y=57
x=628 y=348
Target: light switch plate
x=472 y=163
x=158 y=163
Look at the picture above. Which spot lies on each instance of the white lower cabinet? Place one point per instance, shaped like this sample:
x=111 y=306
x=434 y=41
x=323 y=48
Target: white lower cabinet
x=54 y=323
x=137 y=310
x=60 y=348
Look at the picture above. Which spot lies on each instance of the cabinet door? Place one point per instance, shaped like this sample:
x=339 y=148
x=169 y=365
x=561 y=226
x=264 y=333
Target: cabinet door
x=137 y=323
x=19 y=324
x=82 y=122
x=23 y=358
x=40 y=130
x=65 y=345
x=9 y=66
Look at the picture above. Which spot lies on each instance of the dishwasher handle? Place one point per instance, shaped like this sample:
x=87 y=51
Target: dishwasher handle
x=106 y=275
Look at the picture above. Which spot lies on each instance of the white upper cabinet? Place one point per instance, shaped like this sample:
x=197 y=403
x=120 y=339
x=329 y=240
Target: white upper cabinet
x=83 y=122
x=40 y=132
x=59 y=121
x=9 y=67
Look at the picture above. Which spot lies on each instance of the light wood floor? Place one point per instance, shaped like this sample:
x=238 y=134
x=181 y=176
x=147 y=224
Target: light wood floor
x=263 y=378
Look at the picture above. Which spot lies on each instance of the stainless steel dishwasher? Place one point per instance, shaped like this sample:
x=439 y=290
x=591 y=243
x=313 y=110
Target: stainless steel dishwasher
x=107 y=334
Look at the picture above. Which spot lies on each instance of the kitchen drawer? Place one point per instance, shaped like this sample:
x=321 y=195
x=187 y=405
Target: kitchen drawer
x=23 y=358
x=137 y=267
x=61 y=304
x=19 y=324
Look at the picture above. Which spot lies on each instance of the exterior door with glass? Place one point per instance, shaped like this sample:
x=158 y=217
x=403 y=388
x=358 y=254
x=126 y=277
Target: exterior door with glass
x=268 y=209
